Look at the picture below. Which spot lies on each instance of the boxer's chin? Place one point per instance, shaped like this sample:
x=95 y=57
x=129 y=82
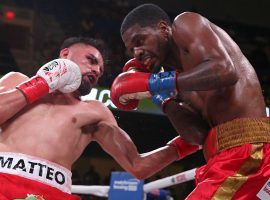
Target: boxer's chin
x=85 y=88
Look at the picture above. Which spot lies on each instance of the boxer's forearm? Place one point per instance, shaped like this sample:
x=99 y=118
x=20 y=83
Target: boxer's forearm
x=189 y=125
x=118 y=144
x=148 y=164
x=11 y=102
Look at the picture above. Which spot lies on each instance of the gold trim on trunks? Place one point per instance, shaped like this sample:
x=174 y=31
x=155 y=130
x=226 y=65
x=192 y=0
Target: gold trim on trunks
x=242 y=131
x=230 y=186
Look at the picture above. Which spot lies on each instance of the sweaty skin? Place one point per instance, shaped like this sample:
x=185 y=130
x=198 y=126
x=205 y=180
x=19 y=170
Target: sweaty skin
x=59 y=126
x=216 y=84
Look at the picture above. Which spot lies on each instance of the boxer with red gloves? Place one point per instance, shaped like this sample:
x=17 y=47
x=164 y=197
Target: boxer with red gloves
x=129 y=87
x=134 y=65
x=129 y=101
x=221 y=101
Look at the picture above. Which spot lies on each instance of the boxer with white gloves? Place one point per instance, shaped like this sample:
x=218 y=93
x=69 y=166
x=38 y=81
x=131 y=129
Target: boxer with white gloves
x=46 y=127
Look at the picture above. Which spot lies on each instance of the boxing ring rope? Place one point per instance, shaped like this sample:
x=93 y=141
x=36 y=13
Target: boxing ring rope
x=97 y=190
x=102 y=191
x=170 y=180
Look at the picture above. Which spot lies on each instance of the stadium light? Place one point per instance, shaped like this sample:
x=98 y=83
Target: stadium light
x=9 y=15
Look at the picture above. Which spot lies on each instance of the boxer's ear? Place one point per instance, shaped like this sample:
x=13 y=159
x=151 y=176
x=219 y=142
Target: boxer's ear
x=164 y=29
x=64 y=53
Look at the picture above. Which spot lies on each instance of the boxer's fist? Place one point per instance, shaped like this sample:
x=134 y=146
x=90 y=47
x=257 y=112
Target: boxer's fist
x=134 y=65
x=59 y=74
x=128 y=88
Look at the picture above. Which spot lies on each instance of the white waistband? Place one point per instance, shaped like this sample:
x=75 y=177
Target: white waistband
x=37 y=169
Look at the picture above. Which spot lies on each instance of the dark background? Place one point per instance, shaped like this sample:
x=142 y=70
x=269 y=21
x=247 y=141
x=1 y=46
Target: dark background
x=34 y=35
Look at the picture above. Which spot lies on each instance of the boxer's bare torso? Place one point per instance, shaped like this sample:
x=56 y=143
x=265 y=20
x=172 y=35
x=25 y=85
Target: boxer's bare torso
x=221 y=98
x=216 y=82
x=56 y=128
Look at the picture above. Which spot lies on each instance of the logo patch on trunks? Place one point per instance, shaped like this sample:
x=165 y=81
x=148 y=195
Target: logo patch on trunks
x=264 y=193
x=31 y=197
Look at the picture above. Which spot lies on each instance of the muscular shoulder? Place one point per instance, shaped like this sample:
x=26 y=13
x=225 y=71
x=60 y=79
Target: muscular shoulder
x=11 y=80
x=188 y=19
x=187 y=25
x=102 y=110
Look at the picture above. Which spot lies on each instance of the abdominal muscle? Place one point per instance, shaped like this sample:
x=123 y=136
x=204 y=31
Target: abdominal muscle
x=51 y=132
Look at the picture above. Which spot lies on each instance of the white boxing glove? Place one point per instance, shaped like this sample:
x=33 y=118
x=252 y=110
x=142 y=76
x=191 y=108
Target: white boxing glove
x=59 y=74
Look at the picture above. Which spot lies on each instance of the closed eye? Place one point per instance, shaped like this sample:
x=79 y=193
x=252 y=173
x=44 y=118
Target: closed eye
x=92 y=59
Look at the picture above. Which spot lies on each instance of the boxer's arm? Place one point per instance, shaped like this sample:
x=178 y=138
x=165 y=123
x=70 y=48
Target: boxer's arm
x=187 y=122
x=59 y=74
x=119 y=145
x=215 y=68
x=11 y=99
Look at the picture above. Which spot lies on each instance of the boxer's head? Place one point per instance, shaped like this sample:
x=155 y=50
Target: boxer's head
x=89 y=55
x=146 y=32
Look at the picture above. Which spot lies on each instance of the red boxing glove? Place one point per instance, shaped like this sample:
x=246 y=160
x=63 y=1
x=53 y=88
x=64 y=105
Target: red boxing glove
x=183 y=148
x=134 y=64
x=128 y=88
x=34 y=88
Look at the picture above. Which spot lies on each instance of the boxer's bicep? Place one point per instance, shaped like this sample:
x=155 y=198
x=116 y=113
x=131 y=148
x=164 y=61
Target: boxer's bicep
x=117 y=143
x=212 y=66
x=107 y=127
x=11 y=99
x=11 y=80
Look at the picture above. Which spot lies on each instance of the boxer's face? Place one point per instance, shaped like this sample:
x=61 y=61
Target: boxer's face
x=147 y=44
x=90 y=62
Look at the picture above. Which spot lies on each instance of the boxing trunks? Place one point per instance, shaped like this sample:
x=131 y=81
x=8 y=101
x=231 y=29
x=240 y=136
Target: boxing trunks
x=27 y=177
x=238 y=162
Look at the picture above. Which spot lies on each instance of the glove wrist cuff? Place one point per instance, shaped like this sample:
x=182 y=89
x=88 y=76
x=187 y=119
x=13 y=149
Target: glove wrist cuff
x=183 y=148
x=34 y=88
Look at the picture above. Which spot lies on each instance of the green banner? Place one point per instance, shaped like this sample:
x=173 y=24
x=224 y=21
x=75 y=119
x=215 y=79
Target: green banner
x=103 y=95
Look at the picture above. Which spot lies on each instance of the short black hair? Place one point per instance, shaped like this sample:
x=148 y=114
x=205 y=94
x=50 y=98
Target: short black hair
x=144 y=15
x=96 y=43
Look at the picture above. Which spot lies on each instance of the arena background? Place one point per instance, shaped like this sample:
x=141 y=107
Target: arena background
x=32 y=30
